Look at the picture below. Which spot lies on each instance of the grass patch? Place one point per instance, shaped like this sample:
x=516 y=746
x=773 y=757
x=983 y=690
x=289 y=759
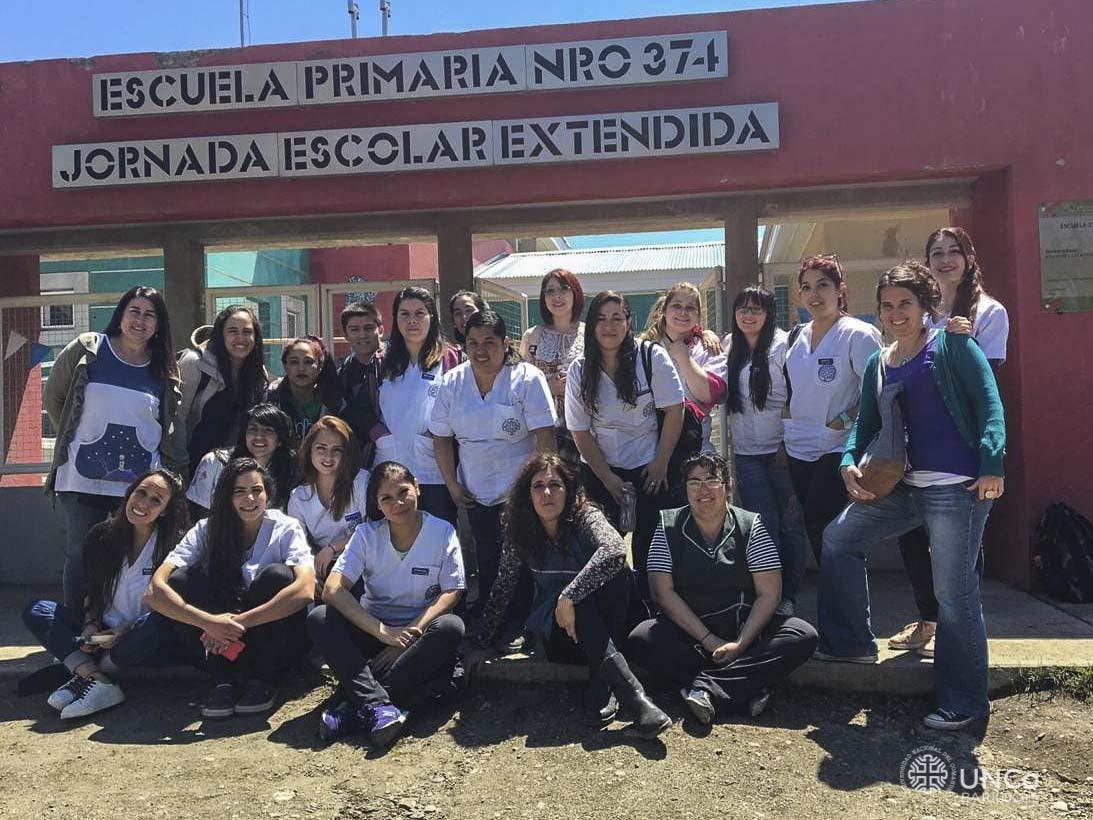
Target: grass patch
x=1077 y=682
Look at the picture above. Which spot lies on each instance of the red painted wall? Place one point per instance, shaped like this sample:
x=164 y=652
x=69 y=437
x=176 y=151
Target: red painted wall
x=870 y=92
x=22 y=383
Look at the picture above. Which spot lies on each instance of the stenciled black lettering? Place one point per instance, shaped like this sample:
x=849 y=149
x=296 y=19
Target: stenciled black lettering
x=630 y=132
x=624 y=61
x=153 y=91
x=442 y=148
x=189 y=162
x=752 y=130
x=381 y=76
x=512 y=141
x=76 y=171
x=106 y=171
x=110 y=94
x=272 y=87
x=423 y=77
x=128 y=162
x=541 y=62
x=343 y=80
x=580 y=63
x=474 y=140
x=730 y=128
x=192 y=96
x=314 y=76
x=341 y=156
x=455 y=70
x=161 y=161
x=135 y=91
x=383 y=138
x=223 y=156
x=320 y=152
x=545 y=137
x=500 y=73
x=254 y=158
x=576 y=129
x=681 y=131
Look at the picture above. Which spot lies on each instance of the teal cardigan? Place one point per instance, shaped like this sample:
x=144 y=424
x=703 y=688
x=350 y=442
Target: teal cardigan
x=967 y=386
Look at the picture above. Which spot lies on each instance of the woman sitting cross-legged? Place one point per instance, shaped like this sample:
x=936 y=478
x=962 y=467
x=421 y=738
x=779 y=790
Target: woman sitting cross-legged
x=582 y=586
x=115 y=630
x=236 y=589
x=395 y=645
x=714 y=573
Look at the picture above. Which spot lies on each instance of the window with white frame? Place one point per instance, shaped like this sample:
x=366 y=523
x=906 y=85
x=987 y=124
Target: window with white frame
x=60 y=315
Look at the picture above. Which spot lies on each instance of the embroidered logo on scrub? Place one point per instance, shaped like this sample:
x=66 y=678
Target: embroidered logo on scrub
x=511 y=426
x=434 y=391
x=432 y=593
x=827 y=371
x=648 y=410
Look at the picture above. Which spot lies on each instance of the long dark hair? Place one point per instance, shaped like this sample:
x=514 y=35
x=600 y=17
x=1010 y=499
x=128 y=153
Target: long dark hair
x=626 y=376
x=224 y=532
x=252 y=375
x=326 y=384
x=479 y=303
x=348 y=468
x=828 y=265
x=282 y=465
x=496 y=325
x=397 y=358
x=160 y=346
x=740 y=353
x=107 y=545
x=969 y=290
x=380 y=473
x=520 y=523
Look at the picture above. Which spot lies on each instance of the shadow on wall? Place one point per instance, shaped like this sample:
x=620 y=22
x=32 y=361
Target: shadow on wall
x=32 y=535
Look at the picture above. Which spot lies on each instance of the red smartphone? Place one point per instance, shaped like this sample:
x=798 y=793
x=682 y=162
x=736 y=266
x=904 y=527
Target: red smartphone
x=231 y=652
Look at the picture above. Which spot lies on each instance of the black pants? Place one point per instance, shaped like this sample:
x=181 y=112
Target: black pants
x=819 y=487
x=648 y=509
x=485 y=524
x=436 y=500
x=914 y=548
x=270 y=648
x=348 y=650
x=601 y=619
x=675 y=659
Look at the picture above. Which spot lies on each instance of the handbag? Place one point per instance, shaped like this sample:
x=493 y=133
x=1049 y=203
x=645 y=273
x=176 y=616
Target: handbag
x=690 y=437
x=884 y=462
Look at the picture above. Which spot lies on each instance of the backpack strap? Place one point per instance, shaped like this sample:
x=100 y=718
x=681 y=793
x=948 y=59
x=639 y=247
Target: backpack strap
x=646 y=352
x=793 y=334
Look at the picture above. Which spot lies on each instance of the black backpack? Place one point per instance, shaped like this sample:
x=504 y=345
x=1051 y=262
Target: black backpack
x=1065 y=554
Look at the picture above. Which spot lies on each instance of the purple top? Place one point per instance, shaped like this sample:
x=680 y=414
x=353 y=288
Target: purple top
x=934 y=442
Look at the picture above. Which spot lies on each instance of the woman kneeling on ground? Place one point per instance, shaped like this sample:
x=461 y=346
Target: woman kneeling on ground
x=115 y=630
x=714 y=573
x=394 y=646
x=236 y=588
x=582 y=586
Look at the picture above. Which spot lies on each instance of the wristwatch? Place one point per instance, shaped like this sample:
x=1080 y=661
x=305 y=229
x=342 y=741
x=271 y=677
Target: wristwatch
x=846 y=420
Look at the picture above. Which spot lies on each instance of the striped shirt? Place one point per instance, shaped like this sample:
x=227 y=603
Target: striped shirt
x=761 y=554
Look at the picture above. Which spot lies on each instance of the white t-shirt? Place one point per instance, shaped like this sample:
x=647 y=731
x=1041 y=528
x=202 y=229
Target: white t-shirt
x=407 y=406
x=204 y=481
x=281 y=540
x=305 y=506
x=825 y=382
x=991 y=327
x=627 y=436
x=128 y=603
x=759 y=432
x=398 y=587
x=494 y=432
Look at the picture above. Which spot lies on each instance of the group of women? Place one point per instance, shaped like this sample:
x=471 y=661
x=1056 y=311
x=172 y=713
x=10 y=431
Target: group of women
x=327 y=502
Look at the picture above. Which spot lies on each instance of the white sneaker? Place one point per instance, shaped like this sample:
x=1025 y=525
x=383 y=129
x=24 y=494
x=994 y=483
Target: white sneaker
x=66 y=693
x=96 y=696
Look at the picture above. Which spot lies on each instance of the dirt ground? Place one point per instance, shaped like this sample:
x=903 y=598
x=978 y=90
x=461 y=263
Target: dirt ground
x=505 y=751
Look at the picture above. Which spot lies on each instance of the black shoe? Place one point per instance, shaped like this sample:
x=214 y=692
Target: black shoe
x=601 y=707
x=649 y=720
x=41 y=680
x=220 y=703
x=258 y=697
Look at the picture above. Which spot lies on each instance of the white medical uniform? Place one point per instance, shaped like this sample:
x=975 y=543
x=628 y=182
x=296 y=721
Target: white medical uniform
x=398 y=587
x=759 y=432
x=204 y=481
x=825 y=382
x=281 y=540
x=715 y=364
x=128 y=602
x=306 y=507
x=991 y=328
x=407 y=405
x=494 y=431
x=626 y=435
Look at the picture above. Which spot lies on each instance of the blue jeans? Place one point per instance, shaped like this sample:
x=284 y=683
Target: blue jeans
x=763 y=486
x=954 y=519
x=150 y=642
x=79 y=518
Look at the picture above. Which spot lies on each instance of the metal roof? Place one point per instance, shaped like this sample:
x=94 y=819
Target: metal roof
x=682 y=256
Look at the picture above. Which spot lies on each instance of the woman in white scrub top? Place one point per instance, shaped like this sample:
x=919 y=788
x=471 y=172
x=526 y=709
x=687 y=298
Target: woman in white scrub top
x=500 y=411
x=416 y=360
x=330 y=501
x=611 y=409
x=825 y=364
x=120 y=555
x=965 y=308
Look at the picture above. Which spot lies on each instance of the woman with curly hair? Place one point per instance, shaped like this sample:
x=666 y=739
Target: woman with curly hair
x=236 y=589
x=582 y=587
x=115 y=630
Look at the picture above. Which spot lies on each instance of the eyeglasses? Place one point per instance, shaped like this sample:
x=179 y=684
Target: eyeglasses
x=751 y=310
x=560 y=290
x=708 y=483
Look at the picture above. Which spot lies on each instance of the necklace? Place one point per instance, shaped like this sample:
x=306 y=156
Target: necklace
x=920 y=342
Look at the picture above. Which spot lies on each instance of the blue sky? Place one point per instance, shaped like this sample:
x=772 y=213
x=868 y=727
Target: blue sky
x=44 y=29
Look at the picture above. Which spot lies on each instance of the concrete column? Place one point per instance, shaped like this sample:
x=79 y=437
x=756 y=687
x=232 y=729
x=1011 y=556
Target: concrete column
x=184 y=280
x=741 y=249
x=455 y=266
x=22 y=397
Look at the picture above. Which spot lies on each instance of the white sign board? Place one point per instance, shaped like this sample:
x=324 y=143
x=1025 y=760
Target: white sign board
x=457 y=72
x=386 y=149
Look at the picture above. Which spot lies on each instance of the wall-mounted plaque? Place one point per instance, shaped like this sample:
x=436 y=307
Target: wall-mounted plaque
x=1066 y=256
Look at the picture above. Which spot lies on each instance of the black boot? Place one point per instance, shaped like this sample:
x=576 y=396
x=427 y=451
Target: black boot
x=649 y=720
x=600 y=705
